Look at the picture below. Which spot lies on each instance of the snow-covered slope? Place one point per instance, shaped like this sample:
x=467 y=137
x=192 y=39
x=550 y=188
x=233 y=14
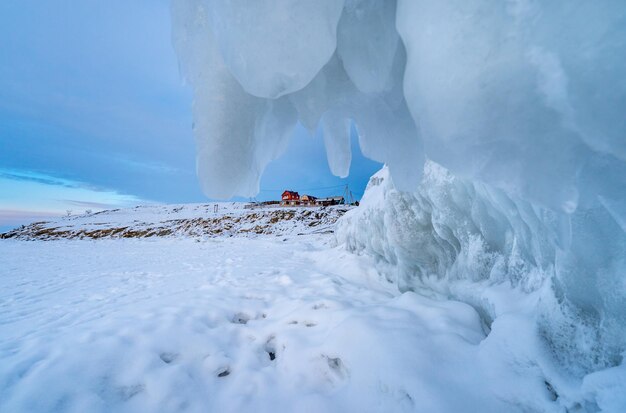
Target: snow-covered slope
x=189 y=220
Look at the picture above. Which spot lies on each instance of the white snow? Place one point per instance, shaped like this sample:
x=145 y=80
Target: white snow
x=238 y=324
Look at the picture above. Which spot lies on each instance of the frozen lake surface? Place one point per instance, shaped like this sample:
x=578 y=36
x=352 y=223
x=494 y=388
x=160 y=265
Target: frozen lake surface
x=274 y=324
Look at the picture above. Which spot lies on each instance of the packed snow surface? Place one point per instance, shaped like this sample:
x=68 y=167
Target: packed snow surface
x=249 y=325
x=521 y=102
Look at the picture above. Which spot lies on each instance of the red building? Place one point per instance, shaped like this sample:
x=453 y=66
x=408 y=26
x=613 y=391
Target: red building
x=290 y=198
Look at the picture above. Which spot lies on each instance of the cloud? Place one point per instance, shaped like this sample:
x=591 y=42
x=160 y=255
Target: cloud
x=34 y=177
x=10 y=218
x=150 y=166
x=49 y=180
x=27 y=196
x=45 y=179
x=89 y=204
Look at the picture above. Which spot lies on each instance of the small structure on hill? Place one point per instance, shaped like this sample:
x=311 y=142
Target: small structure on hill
x=333 y=200
x=308 y=200
x=290 y=198
x=293 y=198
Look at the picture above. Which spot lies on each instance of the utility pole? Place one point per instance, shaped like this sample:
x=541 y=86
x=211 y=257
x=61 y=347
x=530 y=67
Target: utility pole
x=347 y=196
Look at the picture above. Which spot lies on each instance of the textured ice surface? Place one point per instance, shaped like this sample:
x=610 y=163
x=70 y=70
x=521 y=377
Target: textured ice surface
x=526 y=95
x=237 y=134
x=521 y=101
x=368 y=63
x=471 y=242
x=258 y=69
x=275 y=47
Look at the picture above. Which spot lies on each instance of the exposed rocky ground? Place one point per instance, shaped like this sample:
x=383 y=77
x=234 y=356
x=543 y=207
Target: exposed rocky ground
x=204 y=220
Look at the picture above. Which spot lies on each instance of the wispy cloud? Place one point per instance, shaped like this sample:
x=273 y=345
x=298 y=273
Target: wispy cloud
x=11 y=218
x=27 y=196
x=147 y=165
x=46 y=179
x=90 y=204
x=34 y=177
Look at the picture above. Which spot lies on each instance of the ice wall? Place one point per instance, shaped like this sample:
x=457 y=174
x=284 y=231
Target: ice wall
x=460 y=238
x=529 y=96
x=522 y=101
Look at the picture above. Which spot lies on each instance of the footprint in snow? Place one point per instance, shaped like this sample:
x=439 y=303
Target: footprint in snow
x=243 y=318
x=305 y=323
x=336 y=367
x=168 y=357
x=126 y=393
x=270 y=348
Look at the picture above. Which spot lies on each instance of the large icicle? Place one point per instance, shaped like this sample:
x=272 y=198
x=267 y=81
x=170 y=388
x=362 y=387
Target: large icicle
x=237 y=134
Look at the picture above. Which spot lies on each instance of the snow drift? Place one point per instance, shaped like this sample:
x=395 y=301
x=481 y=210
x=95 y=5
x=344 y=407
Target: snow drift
x=521 y=101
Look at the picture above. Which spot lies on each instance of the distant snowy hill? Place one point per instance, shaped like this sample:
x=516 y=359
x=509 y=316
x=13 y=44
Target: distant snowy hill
x=190 y=220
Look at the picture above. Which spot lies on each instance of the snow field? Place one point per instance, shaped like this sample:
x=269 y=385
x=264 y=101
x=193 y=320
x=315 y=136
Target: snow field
x=236 y=325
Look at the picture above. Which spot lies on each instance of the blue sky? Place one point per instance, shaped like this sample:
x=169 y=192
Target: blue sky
x=93 y=114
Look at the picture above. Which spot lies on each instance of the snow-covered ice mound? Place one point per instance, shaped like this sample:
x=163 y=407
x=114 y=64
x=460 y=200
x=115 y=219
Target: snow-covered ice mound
x=243 y=325
x=455 y=239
